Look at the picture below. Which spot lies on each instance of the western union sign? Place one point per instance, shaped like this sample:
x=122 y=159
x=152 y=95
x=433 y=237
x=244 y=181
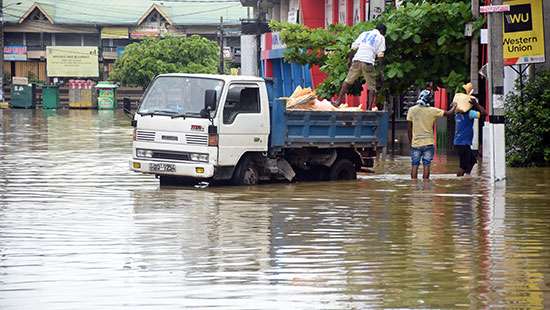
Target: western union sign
x=523 y=32
x=72 y=61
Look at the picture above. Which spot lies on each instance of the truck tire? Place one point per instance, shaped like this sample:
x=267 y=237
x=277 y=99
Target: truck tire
x=342 y=169
x=246 y=173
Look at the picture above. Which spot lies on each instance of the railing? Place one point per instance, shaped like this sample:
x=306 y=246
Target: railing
x=109 y=49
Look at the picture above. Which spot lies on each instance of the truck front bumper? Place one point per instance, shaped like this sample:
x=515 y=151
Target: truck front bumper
x=190 y=169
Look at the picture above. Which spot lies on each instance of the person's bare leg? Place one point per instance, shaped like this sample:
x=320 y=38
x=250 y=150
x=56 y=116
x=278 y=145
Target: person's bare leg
x=343 y=91
x=426 y=172
x=414 y=172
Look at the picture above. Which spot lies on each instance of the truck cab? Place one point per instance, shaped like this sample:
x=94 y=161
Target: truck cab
x=192 y=127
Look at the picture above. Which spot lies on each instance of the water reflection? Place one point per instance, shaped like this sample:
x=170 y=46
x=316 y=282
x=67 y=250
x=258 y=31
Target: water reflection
x=78 y=230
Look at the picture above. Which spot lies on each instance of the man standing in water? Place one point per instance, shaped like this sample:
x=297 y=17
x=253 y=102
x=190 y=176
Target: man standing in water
x=421 y=119
x=368 y=46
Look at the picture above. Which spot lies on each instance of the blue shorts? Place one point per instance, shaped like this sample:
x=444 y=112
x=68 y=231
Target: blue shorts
x=425 y=152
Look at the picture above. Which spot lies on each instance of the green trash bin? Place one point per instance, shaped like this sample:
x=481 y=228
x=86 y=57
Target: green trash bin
x=50 y=97
x=106 y=96
x=22 y=96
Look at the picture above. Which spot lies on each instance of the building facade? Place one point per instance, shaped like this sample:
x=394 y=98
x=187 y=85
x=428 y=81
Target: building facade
x=31 y=27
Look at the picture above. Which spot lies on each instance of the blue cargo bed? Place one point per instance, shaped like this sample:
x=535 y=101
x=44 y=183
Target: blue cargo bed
x=325 y=129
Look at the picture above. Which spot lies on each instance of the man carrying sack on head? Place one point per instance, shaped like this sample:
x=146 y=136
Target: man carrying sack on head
x=367 y=47
x=467 y=110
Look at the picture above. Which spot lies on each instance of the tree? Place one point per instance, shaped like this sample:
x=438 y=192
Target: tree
x=425 y=42
x=142 y=61
x=528 y=123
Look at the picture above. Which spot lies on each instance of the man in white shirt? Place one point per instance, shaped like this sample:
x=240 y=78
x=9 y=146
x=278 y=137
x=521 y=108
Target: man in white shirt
x=368 y=46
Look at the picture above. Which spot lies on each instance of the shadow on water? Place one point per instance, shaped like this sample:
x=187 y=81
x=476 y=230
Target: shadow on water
x=79 y=230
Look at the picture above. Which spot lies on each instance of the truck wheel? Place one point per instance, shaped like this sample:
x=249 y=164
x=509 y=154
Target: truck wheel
x=246 y=173
x=170 y=180
x=342 y=169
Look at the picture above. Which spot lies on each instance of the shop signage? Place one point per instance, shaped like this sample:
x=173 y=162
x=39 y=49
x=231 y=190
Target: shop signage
x=114 y=33
x=72 y=61
x=494 y=8
x=15 y=53
x=376 y=8
x=145 y=30
x=523 y=32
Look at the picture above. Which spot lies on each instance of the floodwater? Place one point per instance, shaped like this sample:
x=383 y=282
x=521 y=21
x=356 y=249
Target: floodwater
x=78 y=230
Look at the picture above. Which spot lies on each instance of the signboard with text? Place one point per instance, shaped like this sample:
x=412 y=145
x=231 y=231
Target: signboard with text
x=114 y=33
x=72 y=61
x=15 y=53
x=494 y=8
x=376 y=8
x=523 y=34
x=145 y=30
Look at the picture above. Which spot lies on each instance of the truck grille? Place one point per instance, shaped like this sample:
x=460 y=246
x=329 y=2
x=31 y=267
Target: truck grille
x=142 y=135
x=171 y=155
x=196 y=139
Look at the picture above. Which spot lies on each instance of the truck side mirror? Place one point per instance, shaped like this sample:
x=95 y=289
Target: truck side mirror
x=209 y=102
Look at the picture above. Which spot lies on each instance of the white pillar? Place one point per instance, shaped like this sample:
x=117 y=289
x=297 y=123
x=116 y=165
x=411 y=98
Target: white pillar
x=494 y=152
x=497 y=158
x=249 y=54
x=475 y=139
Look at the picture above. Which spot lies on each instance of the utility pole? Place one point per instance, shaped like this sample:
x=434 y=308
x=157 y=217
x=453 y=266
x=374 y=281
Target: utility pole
x=474 y=73
x=222 y=69
x=1 y=51
x=494 y=148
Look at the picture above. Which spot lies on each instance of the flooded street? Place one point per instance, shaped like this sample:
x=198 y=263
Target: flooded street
x=78 y=230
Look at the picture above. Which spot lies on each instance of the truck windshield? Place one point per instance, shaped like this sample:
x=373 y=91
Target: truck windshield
x=178 y=95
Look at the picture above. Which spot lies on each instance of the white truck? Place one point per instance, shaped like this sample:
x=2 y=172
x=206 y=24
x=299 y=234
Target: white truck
x=193 y=127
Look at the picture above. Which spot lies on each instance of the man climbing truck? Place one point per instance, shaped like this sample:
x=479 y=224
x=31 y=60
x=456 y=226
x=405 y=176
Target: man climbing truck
x=197 y=127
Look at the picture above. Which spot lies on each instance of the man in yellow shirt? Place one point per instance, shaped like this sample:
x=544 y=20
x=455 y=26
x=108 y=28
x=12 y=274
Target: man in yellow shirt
x=421 y=119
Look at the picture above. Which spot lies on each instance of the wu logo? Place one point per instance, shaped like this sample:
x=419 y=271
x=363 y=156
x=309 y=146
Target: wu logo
x=518 y=19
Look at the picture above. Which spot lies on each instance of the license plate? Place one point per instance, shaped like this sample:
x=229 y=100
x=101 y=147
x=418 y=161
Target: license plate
x=162 y=167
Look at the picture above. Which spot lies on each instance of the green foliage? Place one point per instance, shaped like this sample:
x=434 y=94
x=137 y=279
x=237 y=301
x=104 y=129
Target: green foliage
x=528 y=123
x=424 y=42
x=33 y=78
x=142 y=61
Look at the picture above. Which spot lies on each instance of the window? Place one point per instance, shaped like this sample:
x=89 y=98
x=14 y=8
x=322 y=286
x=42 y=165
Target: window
x=178 y=94
x=241 y=99
x=91 y=39
x=68 y=39
x=13 y=38
x=33 y=39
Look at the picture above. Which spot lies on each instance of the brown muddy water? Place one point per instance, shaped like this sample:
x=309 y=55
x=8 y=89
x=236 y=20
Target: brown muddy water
x=78 y=230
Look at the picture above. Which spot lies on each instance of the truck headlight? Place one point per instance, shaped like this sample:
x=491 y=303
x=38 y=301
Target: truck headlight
x=144 y=153
x=199 y=157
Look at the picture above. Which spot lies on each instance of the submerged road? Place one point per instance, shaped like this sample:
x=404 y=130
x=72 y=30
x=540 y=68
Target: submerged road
x=78 y=230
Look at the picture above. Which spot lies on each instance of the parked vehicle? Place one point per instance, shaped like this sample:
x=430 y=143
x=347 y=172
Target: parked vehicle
x=214 y=127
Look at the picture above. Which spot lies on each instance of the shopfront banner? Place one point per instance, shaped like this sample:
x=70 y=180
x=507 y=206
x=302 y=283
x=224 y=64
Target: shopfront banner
x=15 y=53
x=114 y=33
x=72 y=61
x=523 y=32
